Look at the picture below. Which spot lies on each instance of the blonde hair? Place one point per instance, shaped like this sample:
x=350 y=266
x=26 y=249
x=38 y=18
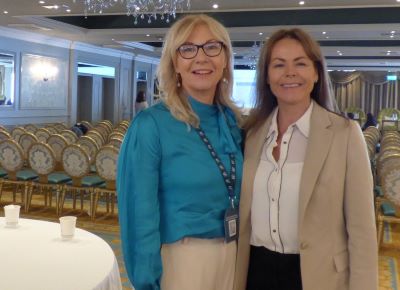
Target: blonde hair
x=172 y=95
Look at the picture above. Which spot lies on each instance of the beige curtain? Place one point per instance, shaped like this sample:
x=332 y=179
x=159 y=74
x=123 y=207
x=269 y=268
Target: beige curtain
x=369 y=91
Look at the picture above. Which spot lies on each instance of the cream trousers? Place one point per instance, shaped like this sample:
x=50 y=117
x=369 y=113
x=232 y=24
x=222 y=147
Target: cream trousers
x=198 y=264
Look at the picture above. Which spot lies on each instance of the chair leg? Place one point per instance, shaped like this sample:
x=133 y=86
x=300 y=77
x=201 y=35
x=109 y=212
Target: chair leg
x=57 y=200
x=1 y=188
x=62 y=200
x=380 y=230
x=29 y=198
x=24 y=198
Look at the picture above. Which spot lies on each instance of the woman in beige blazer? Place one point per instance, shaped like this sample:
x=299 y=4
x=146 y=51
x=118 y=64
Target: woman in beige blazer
x=306 y=209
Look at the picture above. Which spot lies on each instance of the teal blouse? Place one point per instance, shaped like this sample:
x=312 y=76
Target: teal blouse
x=169 y=186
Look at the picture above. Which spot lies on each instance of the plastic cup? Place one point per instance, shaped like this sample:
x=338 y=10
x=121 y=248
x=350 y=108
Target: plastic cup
x=67 y=225
x=11 y=213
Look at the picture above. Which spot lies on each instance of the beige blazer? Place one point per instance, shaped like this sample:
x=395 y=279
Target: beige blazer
x=337 y=233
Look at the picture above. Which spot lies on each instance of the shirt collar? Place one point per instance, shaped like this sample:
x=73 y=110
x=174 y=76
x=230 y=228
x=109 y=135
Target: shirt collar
x=303 y=124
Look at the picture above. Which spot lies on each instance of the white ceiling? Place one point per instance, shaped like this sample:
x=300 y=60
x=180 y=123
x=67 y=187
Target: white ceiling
x=30 y=15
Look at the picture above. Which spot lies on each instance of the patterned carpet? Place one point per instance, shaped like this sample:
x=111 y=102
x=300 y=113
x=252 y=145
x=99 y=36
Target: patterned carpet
x=106 y=226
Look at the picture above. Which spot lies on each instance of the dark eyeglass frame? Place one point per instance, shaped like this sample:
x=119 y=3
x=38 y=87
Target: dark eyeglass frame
x=202 y=47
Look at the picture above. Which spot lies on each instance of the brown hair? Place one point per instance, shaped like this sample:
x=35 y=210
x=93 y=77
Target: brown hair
x=168 y=79
x=266 y=101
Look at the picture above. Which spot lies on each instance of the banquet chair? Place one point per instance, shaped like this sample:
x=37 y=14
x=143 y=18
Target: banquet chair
x=42 y=134
x=76 y=163
x=69 y=136
x=57 y=143
x=390 y=184
x=359 y=113
x=42 y=160
x=106 y=168
x=12 y=161
x=97 y=137
x=90 y=146
x=17 y=132
x=26 y=140
x=4 y=135
x=31 y=128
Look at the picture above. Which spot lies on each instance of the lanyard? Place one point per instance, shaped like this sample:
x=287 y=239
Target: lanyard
x=229 y=179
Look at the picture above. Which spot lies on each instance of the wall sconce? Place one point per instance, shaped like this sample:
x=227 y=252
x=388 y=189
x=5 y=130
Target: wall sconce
x=44 y=70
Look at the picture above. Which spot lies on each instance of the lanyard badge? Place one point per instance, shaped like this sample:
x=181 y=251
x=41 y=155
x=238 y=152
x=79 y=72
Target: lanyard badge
x=231 y=219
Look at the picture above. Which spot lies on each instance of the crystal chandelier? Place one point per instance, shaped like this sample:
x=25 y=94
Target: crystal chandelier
x=140 y=9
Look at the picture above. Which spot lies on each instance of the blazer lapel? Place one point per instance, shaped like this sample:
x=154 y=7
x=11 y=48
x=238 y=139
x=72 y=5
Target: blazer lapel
x=253 y=149
x=320 y=140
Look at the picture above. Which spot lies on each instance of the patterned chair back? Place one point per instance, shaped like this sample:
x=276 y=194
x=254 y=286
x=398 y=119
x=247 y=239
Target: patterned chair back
x=60 y=127
x=97 y=137
x=42 y=160
x=57 y=143
x=106 y=165
x=11 y=157
x=90 y=146
x=31 y=128
x=116 y=142
x=75 y=162
x=87 y=124
x=69 y=136
x=117 y=134
x=42 y=134
x=17 y=132
x=4 y=135
x=26 y=140
x=2 y=128
x=103 y=130
x=390 y=182
x=51 y=129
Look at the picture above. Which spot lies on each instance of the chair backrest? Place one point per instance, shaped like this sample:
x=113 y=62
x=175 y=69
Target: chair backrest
x=52 y=129
x=41 y=158
x=87 y=124
x=17 y=132
x=11 y=155
x=97 y=137
x=358 y=112
x=60 y=126
x=69 y=136
x=26 y=140
x=390 y=182
x=90 y=146
x=116 y=142
x=57 y=143
x=106 y=163
x=75 y=161
x=42 y=134
x=2 y=128
x=31 y=128
x=4 y=135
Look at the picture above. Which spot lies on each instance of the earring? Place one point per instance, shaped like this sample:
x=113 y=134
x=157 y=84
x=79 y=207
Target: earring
x=178 y=80
x=224 y=79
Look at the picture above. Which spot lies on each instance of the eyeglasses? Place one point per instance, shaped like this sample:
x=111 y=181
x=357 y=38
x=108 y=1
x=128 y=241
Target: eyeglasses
x=210 y=49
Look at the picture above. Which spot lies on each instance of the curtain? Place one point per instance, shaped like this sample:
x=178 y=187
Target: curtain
x=369 y=91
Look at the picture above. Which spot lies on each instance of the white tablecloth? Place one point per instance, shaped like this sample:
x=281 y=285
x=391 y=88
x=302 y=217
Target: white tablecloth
x=34 y=257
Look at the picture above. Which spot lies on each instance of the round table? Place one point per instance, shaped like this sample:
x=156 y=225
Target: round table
x=33 y=256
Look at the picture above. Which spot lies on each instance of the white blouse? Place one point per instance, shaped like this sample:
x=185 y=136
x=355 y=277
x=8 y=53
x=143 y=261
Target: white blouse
x=274 y=211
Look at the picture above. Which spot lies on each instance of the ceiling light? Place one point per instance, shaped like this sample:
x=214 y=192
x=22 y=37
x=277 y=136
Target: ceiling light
x=392 y=36
x=388 y=53
x=301 y=3
x=5 y=12
x=50 y=6
x=323 y=32
x=215 y=6
x=340 y=53
x=68 y=10
x=393 y=31
x=112 y=39
x=150 y=9
x=41 y=2
x=326 y=36
x=148 y=35
x=260 y=33
x=398 y=0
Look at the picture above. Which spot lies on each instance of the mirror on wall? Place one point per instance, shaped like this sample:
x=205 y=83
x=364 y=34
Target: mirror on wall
x=7 y=75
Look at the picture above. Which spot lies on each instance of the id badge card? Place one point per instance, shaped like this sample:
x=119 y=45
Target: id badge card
x=231 y=224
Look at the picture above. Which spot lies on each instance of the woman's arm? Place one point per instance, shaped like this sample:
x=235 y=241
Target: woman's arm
x=138 y=205
x=359 y=214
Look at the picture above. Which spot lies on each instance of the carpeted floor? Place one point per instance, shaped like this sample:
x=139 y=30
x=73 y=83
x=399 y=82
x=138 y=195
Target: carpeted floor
x=106 y=226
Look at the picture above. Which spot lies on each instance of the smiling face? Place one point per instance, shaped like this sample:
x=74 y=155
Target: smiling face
x=291 y=73
x=200 y=75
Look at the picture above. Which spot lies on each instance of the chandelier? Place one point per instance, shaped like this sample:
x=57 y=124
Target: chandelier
x=140 y=9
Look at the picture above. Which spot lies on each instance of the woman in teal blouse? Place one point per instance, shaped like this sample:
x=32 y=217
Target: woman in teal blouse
x=179 y=170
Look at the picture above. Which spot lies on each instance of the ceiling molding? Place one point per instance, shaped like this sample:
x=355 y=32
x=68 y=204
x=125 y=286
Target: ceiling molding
x=102 y=51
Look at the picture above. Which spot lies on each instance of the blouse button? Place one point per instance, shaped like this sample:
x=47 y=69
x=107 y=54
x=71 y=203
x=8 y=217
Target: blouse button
x=284 y=142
